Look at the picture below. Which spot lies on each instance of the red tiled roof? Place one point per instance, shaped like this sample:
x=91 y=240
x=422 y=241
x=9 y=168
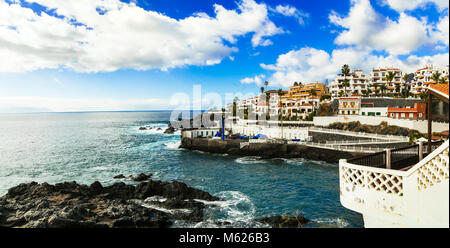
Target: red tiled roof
x=392 y=109
x=440 y=88
x=306 y=104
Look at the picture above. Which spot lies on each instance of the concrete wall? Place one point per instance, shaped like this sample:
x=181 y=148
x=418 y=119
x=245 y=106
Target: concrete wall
x=420 y=125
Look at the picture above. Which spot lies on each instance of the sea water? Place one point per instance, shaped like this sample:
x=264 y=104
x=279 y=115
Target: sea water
x=96 y=146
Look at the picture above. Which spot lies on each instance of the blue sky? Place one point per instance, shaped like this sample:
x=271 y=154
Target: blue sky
x=111 y=55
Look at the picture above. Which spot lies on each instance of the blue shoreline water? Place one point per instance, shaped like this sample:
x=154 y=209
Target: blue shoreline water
x=91 y=146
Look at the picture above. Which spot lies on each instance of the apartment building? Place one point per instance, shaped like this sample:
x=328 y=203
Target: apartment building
x=358 y=84
x=378 y=78
x=423 y=77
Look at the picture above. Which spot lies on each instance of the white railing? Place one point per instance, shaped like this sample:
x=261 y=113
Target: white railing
x=417 y=197
x=344 y=148
x=360 y=134
x=363 y=142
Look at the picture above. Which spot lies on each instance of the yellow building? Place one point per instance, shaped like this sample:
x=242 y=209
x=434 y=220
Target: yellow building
x=302 y=89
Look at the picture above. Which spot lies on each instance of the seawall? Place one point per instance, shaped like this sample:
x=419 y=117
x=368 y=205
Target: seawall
x=265 y=150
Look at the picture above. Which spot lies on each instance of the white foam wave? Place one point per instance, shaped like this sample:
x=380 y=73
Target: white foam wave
x=161 y=209
x=237 y=210
x=250 y=160
x=332 y=222
x=157 y=128
x=173 y=145
x=155 y=198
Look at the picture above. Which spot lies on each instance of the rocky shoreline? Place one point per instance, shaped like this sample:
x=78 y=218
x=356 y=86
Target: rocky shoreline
x=150 y=204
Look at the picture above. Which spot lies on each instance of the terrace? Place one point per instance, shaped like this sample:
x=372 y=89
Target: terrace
x=404 y=187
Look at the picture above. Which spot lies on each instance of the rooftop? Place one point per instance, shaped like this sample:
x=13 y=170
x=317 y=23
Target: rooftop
x=440 y=89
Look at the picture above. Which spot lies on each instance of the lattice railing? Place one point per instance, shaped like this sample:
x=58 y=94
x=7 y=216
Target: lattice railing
x=390 y=184
x=378 y=181
x=435 y=171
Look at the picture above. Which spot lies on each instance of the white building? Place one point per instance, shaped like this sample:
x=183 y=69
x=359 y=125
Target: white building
x=378 y=78
x=423 y=77
x=358 y=84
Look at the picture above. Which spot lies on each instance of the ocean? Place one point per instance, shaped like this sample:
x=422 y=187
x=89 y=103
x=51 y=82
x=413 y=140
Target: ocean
x=96 y=146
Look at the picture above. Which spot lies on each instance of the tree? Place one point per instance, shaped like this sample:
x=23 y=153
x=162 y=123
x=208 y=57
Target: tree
x=346 y=84
x=406 y=77
x=389 y=78
x=443 y=80
x=312 y=92
x=436 y=76
x=262 y=90
x=397 y=89
x=383 y=87
x=364 y=92
x=295 y=84
x=280 y=92
x=345 y=72
x=405 y=93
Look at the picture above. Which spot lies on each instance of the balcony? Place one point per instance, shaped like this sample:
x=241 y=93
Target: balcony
x=390 y=191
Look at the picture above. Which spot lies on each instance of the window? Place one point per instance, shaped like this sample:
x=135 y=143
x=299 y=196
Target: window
x=403 y=115
x=420 y=115
x=378 y=113
x=411 y=115
x=392 y=115
x=363 y=113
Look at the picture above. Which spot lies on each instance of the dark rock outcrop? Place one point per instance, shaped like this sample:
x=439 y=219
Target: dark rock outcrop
x=120 y=176
x=142 y=128
x=383 y=128
x=71 y=205
x=141 y=177
x=284 y=221
x=170 y=129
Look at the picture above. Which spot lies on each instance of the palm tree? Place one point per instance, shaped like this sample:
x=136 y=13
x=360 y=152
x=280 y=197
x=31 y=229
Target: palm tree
x=295 y=84
x=443 y=80
x=262 y=90
x=266 y=83
x=383 y=87
x=406 y=77
x=389 y=77
x=280 y=92
x=346 y=84
x=345 y=72
x=312 y=92
x=405 y=93
x=397 y=89
x=436 y=76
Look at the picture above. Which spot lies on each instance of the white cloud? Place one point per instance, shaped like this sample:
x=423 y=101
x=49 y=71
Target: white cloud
x=402 y=5
x=440 y=34
x=258 y=80
x=108 y=35
x=291 y=11
x=367 y=29
x=310 y=65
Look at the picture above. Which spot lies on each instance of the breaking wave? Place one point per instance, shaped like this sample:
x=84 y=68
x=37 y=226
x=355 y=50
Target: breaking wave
x=237 y=210
x=250 y=160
